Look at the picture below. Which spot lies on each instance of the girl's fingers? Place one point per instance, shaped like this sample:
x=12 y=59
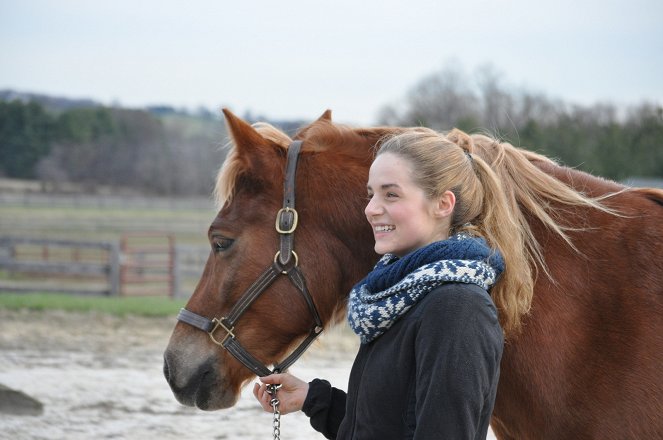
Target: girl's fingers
x=291 y=394
x=260 y=393
x=272 y=379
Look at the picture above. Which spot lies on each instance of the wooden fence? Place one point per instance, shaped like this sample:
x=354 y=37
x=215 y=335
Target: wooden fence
x=139 y=264
x=147 y=263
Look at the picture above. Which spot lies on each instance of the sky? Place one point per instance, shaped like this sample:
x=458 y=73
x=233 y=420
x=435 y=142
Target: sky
x=294 y=59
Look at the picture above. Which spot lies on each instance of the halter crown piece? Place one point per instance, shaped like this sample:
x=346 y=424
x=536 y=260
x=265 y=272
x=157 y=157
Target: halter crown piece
x=286 y=263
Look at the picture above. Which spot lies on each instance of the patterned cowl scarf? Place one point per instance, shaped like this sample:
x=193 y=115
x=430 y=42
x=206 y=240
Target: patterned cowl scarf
x=396 y=284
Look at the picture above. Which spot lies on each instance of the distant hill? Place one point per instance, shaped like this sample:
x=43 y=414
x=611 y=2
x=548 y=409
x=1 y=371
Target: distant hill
x=59 y=104
x=59 y=142
x=50 y=103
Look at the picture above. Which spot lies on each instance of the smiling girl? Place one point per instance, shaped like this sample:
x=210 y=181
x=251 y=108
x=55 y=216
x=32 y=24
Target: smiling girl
x=431 y=341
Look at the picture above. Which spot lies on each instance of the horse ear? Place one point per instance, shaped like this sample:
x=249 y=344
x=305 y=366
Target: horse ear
x=253 y=150
x=462 y=139
x=243 y=135
x=326 y=116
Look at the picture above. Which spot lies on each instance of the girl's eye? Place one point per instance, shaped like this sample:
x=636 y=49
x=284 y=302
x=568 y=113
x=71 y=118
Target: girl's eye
x=220 y=244
x=391 y=195
x=369 y=196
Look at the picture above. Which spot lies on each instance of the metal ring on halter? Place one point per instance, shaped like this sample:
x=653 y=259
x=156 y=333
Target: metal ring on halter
x=285 y=272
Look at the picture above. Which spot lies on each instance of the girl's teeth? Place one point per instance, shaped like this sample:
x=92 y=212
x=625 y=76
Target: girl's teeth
x=383 y=228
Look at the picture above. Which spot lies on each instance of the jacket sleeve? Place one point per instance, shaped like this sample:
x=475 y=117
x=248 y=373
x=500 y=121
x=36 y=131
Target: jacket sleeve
x=325 y=406
x=458 y=350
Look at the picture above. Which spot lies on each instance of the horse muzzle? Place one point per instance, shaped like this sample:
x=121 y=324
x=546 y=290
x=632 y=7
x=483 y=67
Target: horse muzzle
x=198 y=382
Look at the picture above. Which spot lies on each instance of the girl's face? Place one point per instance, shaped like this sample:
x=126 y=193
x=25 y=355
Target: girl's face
x=402 y=217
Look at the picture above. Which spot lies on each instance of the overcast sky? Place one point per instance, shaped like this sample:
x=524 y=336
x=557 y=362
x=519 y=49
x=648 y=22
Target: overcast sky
x=294 y=59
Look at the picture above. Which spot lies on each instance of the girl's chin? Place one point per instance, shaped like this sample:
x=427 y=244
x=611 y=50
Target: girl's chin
x=380 y=250
x=383 y=249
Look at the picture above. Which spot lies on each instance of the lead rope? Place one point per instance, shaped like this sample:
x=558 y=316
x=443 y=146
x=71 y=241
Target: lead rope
x=276 y=422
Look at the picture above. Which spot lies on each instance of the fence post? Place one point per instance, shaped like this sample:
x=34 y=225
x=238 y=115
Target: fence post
x=7 y=251
x=114 y=269
x=176 y=273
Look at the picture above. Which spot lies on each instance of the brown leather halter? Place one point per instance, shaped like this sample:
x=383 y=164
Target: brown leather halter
x=285 y=263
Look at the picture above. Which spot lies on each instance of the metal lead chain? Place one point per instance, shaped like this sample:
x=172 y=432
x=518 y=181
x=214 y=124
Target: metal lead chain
x=276 y=422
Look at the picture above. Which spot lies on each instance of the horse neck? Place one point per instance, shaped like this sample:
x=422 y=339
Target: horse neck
x=345 y=152
x=360 y=244
x=350 y=235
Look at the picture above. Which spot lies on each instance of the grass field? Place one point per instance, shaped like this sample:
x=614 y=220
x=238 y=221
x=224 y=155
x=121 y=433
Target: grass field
x=141 y=306
x=89 y=219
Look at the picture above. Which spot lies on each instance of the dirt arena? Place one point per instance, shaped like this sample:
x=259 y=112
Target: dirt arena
x=99 y=377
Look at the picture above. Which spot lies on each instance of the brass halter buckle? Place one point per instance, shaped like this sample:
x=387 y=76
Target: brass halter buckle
x=295 y=219
x=229 y=331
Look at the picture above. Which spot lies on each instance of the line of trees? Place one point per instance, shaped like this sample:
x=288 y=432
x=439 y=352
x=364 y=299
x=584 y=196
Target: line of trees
x=162 y=151
x=173 y=154
x=601 y=139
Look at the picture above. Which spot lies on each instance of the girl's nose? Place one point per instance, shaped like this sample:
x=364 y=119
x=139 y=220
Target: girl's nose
x=372 y=208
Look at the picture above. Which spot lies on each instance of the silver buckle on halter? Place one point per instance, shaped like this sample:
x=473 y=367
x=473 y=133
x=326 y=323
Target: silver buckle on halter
x=218 y=323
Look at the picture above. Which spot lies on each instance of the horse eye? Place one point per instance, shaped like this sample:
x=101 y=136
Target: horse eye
x=222 y=243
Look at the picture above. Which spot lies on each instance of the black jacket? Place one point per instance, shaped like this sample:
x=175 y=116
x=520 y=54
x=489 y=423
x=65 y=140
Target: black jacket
x=433 y=375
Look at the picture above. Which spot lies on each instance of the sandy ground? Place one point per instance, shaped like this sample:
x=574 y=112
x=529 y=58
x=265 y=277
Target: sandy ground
x=100 y=377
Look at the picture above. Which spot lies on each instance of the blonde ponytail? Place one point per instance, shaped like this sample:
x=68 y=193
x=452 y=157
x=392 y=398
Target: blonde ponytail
x=500 y=222
x=514 y=186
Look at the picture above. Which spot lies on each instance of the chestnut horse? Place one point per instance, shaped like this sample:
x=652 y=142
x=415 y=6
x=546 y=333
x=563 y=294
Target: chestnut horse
x=588 y=361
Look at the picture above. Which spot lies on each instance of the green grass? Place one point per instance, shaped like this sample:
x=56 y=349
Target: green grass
x=118 y=306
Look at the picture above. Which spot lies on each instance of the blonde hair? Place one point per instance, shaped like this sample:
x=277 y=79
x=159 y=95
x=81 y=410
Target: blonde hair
x=491 y=180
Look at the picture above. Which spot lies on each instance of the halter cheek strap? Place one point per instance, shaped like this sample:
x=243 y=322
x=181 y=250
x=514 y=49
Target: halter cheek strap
x=221 y=330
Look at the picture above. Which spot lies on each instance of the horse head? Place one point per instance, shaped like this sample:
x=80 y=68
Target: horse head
x=332 y=240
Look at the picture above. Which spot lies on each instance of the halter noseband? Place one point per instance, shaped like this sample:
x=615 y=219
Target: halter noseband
x=285 y=263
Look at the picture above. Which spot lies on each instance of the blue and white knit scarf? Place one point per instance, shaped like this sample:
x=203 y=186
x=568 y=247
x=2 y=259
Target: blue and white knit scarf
x=396 y=284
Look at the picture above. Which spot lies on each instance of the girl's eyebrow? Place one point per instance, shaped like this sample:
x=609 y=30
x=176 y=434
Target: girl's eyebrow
x=385 y=186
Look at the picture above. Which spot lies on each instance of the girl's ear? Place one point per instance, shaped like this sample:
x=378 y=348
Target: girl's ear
x=445 y=204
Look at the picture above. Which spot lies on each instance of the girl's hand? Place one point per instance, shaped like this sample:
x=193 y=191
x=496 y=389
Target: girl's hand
x=291 y=395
